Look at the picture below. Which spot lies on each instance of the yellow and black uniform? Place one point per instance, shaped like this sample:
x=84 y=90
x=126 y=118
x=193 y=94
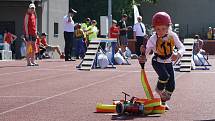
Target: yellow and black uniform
x=163 y=48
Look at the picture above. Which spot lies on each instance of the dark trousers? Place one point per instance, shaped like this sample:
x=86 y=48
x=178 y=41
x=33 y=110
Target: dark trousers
x=140 y=41
x=41 y=52
x=68 y=37
x=79 y=47
x=166 y=75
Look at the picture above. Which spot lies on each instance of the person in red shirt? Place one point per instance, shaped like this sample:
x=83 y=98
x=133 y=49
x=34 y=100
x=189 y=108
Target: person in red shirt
x=114 y=30
x=30 y=31
x=9 y=37
x=43 y=46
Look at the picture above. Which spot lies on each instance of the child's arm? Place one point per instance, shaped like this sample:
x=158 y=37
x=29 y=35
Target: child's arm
x=145 y=52
x=180 y=46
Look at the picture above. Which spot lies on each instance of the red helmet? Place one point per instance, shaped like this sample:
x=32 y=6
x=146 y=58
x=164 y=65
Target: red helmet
x=161 y=18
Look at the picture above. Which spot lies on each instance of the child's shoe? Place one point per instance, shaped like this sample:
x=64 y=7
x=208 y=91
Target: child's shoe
x=166 y=106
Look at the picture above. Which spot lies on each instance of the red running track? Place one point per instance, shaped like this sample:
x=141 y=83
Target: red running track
x=56 y=91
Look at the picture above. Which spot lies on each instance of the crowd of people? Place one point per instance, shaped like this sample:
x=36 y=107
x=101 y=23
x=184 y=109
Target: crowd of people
x=211 y=33
x=78 y=35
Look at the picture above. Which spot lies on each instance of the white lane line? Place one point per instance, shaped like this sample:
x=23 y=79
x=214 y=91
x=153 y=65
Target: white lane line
x=22 y=96
x=63 y=93
x=34 y=80
x=97 y=70
x=2 y=74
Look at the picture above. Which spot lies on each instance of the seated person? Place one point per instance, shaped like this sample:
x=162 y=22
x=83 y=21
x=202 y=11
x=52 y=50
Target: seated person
x=43 y=46
x=198 y=52
x=198 y=46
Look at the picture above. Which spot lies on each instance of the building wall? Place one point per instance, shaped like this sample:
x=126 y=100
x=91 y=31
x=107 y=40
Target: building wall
x=57 y=10
x=194 y=16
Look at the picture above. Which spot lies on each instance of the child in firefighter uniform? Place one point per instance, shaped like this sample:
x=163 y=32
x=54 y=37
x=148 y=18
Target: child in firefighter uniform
x=162 y=43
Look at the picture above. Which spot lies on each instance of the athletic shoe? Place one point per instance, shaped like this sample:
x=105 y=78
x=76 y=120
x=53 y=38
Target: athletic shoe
x=35 y=64
x=30 y=64
x=160 y=93
x=166 y=106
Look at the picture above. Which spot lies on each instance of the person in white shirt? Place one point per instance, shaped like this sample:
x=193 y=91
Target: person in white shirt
x=162 y=43
x=139 y=31
x=68 y=34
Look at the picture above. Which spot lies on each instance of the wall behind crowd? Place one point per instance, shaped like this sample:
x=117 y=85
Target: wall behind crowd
x=194 y=16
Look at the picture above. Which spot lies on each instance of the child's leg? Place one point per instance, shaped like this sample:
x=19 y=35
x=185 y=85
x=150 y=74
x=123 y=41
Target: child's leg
x=77 y=42
x=82 y=49
x=57 y=48
x=170 y=85
x=163 y=75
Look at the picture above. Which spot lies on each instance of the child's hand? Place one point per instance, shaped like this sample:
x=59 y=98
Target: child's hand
x=175 y=56
x=142 y=59
x=142 y=49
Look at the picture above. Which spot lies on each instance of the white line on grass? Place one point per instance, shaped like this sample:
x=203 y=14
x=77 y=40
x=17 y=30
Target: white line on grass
x=63 y=93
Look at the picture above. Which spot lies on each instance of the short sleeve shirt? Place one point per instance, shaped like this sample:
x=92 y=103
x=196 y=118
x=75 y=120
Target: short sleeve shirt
x=122 y=25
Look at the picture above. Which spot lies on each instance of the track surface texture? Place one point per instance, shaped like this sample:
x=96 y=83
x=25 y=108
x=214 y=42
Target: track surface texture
x=57 y=91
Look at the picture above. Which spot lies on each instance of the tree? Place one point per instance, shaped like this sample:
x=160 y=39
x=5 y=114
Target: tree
x=96 y=8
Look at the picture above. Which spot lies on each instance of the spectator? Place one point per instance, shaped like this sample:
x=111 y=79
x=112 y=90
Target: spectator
x=214 y=33
x=92 y=31
x=84 y=27
x=43 y=46
x=30 y=31
x=123 y=40
x=198 y=45
x=79 y=36
x=9 y=40
x=68 y=34
x=139 y=35
x=114 y=30
x=86 y=24
x=9 y=37
x=210 y=33
x=23 y=46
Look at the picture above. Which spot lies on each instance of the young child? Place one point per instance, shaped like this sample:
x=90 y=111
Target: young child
x=162 y=43
x=79 y=36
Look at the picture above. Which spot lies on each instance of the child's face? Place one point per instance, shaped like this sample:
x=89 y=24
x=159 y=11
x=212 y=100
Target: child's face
x=161 y=30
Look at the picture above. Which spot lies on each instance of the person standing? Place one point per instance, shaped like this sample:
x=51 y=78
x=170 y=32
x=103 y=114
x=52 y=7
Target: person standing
x=9 y=40
x=9 y=37
x=123 y=40
x=114 y=30
x=92 y=31
x=84 y=26
x=139 y=31
x=30 y=32
x=68 y=34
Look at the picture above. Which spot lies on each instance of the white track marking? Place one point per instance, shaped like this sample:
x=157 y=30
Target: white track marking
x=63 y=93
x=31 y=70
x=34 y=80
x=22 y=96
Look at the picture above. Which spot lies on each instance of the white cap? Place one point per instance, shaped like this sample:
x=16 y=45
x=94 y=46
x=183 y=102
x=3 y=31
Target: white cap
x=32 y=5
